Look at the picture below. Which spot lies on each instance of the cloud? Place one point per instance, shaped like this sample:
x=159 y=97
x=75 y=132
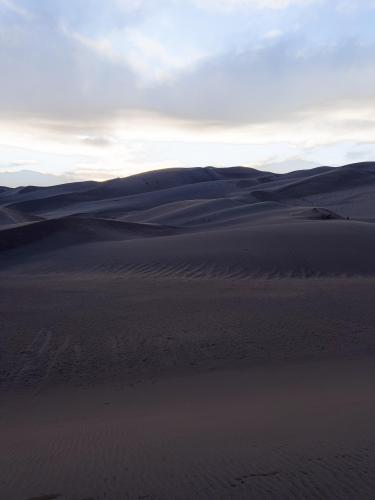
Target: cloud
x=98 y=141
x=87 y=171
x=361 y=152
x=46 y=73
x=258 y=4
x=80 y=79
x=5 y=167
x=288 y=165
x=70 y=81
x=14 y=7
x=31 y=178
x=153 y=61
x=279 y=81
x=93 y=78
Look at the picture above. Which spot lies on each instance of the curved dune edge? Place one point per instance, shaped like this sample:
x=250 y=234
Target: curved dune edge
x=305 y=249
x=67 y=231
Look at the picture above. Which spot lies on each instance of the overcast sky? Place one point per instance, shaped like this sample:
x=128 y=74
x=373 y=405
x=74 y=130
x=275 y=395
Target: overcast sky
x=104 y=88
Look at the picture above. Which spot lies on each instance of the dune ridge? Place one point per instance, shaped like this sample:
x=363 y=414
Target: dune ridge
x=191 y=223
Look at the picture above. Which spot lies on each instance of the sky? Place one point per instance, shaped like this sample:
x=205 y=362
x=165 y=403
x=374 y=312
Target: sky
x=94 y=89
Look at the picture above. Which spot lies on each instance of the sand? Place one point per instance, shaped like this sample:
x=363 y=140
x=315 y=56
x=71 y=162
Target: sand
x=176 y=336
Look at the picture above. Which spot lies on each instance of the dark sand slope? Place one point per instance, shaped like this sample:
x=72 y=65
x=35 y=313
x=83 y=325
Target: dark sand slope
x=199 y=333
x=69 y=231
x=180 y=389
x=295 y=247
x=11 y=217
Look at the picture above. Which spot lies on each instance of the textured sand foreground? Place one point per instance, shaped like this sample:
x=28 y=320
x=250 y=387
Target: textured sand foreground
x=117 y=388
x=290 y=432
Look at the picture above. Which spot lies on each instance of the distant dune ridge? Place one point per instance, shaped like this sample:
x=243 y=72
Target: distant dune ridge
x=197 y=222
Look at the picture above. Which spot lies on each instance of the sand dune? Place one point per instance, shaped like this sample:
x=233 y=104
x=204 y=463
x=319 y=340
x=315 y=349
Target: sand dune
x=317 y=213
x=348 y=190
x=66 y=231
x=347 y=177
x=162 y=180
x=10 y=195
x=203 y=212
x=11 y=217
x=203 y=221
x=189 y=333
x=307 y=244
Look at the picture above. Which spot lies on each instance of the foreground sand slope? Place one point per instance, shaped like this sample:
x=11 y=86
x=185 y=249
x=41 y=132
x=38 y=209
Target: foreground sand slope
x=132 y=388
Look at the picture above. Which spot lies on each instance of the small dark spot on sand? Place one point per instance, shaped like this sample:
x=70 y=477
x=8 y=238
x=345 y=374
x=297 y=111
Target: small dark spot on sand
x=46 y=497
x=265 y=474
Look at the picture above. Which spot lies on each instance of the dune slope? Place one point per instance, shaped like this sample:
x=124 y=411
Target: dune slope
x=189 y=333
x=199 y=222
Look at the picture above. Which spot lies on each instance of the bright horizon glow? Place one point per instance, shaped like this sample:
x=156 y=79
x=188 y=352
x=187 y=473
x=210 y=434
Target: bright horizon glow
x=96 y=90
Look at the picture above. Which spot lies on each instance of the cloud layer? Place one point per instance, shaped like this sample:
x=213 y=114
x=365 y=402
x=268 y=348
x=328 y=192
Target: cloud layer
x=119 y=74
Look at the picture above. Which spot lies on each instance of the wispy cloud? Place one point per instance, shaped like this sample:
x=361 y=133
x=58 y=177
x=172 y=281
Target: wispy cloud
x=14 y=7
x=259 y=4
x=16 y=165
